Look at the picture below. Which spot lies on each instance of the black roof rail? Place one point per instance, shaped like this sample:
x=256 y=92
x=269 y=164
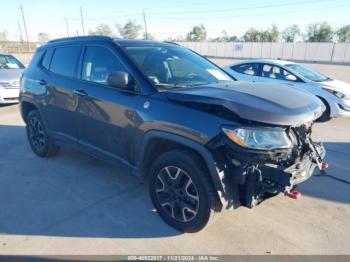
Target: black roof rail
x=170 y=42
x=75 y=38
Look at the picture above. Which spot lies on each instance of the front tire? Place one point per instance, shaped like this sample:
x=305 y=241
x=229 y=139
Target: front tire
x=181 y=190
x=37 y=136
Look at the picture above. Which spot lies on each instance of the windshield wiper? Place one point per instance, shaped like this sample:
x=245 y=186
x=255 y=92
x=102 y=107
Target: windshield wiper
x=172 y=85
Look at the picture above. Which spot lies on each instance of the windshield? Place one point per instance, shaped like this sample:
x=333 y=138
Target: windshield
x=9 y=62
x=308 y=73
x=170 y=67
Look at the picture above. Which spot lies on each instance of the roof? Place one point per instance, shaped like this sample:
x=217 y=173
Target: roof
x=3 y=53
x=273 y=61
x=119 y=41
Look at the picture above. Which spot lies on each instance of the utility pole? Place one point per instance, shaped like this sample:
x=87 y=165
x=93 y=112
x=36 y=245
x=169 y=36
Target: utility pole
x=82 y=20
x=20 y=32
x=24 y=24
x=67 y=29
x=145 y=24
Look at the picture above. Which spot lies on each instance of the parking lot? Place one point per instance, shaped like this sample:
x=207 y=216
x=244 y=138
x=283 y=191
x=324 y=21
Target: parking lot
x=76 y=204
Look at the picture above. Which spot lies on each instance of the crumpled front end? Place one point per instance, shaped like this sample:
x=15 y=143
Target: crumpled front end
x=249 y=176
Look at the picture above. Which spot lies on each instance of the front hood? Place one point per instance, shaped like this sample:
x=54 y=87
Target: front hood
x=9 y=75
x=266 y=103
x=337 y=85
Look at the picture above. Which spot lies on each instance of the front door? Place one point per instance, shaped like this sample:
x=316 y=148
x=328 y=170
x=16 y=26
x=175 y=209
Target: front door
x=105 y=113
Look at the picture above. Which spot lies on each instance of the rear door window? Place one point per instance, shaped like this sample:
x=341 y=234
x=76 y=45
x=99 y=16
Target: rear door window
x=65 y=60
x=47 y=58
x=274 y=72
x=251 y=69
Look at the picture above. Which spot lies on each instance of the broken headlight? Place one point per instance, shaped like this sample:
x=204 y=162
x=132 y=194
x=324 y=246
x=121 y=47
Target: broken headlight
x=259 y=138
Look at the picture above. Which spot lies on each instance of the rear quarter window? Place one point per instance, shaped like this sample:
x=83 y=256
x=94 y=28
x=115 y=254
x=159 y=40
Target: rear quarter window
x=47 y=58
x=65 y=61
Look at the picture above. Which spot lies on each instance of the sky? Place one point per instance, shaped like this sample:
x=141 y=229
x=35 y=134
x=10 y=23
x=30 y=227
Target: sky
x=167 y=18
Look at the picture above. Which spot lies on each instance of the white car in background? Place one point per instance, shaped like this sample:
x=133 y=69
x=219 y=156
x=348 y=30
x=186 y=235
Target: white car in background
x=334 y=94
x=10 y=73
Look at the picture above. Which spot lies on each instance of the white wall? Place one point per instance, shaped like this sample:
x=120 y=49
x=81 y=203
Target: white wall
x=319 y=52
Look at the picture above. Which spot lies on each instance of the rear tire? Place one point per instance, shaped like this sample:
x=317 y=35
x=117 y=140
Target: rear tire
x=38 y=137
x=181 y=190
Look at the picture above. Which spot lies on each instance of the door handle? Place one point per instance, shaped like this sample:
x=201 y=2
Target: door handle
x=80 y=93
x=42 y=82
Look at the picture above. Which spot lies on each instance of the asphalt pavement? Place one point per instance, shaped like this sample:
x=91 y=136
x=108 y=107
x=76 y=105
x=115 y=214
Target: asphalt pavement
x=76 y=204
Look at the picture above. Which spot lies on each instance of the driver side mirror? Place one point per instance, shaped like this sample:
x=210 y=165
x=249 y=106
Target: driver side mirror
x=121 y=79
x=291 y=77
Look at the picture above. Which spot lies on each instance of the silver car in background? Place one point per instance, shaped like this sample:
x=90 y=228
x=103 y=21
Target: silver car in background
x=10 y=73
x=334 y=94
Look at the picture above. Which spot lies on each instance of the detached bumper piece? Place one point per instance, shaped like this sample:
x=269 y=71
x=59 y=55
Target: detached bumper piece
x=267 y=180
x=251 y=177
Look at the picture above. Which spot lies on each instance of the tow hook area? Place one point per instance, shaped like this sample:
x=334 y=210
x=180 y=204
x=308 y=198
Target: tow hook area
x=293 y=194
x=323 y=166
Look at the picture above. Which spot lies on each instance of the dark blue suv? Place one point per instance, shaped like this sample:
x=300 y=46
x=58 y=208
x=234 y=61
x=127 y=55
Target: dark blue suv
x=204 y=141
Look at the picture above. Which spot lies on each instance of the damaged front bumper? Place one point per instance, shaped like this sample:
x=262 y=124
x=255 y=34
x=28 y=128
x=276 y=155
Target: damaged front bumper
x=250 y=176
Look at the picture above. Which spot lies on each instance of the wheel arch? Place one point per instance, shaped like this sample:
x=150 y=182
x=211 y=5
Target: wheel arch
x=157 y=142
x=27 y=105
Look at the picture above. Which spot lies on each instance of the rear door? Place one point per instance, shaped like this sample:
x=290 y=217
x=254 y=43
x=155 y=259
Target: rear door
x=60 y=65
x=247 y=71
x=105 y=114
x=276 y=74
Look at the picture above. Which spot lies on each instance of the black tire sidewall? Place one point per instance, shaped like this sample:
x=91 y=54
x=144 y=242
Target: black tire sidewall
x=194 y=170
x=45 y=150
x=326 y=114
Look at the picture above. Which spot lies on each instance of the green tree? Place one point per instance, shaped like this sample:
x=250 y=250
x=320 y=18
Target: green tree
x=255 y=35
x=273 y=33
x=225 y=38
x=252 y=35
x=197 y=34
x=291 y=33
x=130 y=30
x=319 y=32
x=102 y=29
x=343 y=34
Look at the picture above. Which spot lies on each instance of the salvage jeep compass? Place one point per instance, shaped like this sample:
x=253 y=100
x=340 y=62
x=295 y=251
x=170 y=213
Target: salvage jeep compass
x=203 y=141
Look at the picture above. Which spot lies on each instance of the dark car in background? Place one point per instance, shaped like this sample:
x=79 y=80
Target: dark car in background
x=204 y=141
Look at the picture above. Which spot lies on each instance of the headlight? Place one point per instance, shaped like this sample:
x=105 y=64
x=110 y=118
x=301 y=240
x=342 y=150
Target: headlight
x=337 y=94
x=259 y=138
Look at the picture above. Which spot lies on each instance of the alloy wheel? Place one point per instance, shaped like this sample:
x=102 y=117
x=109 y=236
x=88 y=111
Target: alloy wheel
x=36 y=134
x=177 y=194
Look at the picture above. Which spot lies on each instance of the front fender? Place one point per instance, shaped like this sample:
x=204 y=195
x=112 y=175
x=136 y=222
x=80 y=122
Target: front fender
x=186 y=142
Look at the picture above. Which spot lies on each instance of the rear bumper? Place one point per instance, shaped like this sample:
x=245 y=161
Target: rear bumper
x=8 y=96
